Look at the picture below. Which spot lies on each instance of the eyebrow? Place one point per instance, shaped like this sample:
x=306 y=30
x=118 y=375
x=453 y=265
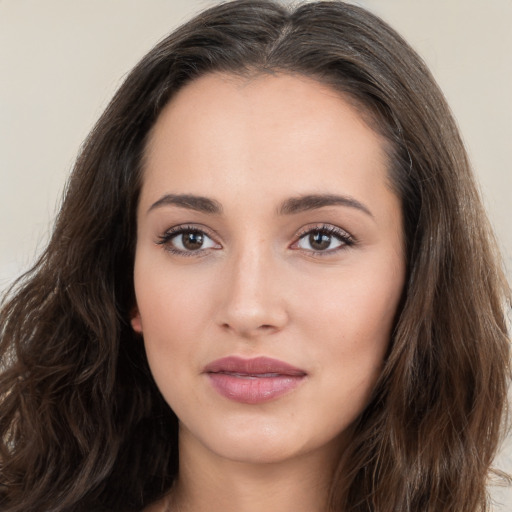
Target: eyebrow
x=189 y=201
x=315 y=201
x=290 y=206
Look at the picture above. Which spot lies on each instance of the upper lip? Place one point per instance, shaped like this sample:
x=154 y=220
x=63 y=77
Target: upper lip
x=254 y=366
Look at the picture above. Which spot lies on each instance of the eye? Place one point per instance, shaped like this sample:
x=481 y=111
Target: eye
x=186 y=241
x=324 y=239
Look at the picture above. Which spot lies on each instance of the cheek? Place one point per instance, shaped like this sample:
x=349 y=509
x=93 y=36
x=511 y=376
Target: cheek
x=354 y=327
x=355 y=300
x=175 y=308
x=170 y=302
x=352 y=316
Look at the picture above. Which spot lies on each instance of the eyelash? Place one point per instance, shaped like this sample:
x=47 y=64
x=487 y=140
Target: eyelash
x=329 y=230
x=166 y=239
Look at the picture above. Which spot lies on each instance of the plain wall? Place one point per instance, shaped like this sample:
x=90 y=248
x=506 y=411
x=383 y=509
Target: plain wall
x=61 y=60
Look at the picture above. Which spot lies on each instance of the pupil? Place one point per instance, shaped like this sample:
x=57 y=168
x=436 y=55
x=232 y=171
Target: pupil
x=319 y=241
x=192 y=241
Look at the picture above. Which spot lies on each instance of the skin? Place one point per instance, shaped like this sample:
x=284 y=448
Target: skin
x=256 y=287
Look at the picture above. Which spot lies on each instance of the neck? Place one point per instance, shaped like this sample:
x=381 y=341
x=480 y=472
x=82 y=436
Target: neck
x=210 y=483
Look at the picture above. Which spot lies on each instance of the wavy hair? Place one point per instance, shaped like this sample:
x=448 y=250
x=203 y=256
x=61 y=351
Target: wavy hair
x=82 y=424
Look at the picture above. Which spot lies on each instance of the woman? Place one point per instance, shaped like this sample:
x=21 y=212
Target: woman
x=272 y=261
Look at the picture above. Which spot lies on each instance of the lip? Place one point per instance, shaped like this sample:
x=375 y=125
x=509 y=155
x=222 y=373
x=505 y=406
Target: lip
x=253 y=381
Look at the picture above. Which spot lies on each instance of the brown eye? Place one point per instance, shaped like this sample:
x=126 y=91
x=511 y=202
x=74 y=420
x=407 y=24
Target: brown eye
x=319 y=241
x=192 y=240
x=186 y=241
x=327 y=240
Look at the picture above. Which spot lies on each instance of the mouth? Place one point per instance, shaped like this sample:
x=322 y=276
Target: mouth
x=253 y=381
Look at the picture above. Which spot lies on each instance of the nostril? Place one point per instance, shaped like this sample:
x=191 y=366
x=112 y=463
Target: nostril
x=264 y=328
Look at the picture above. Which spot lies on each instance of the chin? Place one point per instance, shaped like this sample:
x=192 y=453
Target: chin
x=264 y=442
x=256 y=452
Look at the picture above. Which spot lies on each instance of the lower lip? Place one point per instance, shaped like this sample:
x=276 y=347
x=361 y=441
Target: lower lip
x=252 y=389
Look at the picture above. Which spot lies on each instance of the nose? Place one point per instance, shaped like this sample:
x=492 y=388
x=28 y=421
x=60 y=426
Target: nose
x=253 y=295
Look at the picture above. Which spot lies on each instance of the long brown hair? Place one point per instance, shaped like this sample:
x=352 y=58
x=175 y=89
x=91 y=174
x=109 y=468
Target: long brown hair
x=82 y=424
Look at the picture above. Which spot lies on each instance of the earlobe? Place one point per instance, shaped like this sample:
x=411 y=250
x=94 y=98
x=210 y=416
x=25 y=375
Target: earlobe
x=136 y=320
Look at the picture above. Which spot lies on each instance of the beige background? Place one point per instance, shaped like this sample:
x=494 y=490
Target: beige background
x=61 y=60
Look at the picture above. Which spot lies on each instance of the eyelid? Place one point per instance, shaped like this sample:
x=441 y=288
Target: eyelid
x=323 y=226
x=332 y=230
x=166 y=237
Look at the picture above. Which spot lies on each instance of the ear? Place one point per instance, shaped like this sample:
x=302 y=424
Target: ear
x=136 y=320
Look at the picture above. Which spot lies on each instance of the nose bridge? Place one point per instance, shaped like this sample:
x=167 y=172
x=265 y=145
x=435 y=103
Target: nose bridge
x=253 y=303
x=251 y=271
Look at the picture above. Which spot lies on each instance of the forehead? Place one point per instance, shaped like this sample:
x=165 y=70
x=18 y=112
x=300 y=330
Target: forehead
x=223 y=97
x=280 y=132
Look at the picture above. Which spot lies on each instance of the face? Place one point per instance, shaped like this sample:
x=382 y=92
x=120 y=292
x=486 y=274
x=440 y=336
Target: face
x=269 y=264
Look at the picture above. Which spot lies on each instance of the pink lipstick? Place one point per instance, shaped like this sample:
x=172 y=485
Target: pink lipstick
x=253 y=381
